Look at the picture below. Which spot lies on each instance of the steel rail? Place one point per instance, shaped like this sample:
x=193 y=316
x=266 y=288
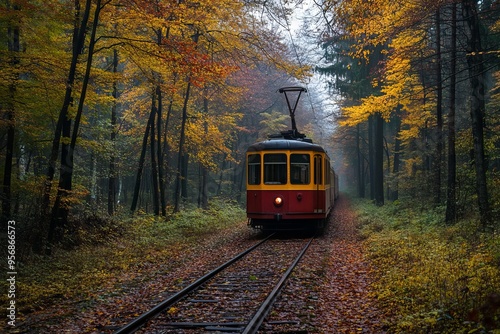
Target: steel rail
x=259 y=316
x=142 y=319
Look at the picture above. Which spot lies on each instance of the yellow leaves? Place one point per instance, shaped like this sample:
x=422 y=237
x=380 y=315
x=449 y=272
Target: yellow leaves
x=400 y=90
x=173 y=310
x=209 y=136
x=429 y=273
x=393 y=24
x=383 y=104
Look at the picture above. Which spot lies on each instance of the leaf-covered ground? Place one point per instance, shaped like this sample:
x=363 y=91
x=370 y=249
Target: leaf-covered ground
x=329 y=292
x=346 y=292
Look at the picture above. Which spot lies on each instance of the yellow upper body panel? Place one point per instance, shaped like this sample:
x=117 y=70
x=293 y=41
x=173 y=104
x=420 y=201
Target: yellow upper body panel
x=287 y=170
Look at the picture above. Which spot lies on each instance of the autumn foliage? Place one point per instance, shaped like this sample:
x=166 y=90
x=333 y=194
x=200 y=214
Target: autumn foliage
x=423 y=68
x=431 y=277
x=112 y=109
x=418 y=87
x=118 y=106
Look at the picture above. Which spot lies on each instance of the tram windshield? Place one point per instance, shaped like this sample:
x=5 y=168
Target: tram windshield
x=275 y=168
x=299 y=168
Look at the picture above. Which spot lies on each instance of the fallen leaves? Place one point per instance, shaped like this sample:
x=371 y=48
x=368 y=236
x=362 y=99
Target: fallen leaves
x=331 y=290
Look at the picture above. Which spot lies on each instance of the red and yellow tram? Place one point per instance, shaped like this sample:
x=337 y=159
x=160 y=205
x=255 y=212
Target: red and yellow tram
x=290 y=184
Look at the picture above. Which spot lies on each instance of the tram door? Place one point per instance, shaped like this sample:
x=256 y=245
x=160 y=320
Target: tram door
x=318 y=181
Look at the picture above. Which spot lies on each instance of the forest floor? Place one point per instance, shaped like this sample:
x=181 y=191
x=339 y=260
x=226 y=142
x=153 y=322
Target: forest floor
x=330 y=290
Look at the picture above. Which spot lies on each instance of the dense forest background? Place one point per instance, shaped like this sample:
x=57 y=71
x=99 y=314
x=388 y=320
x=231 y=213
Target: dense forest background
x=120 y=106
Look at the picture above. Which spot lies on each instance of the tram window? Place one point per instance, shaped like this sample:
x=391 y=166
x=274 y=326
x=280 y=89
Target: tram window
x=299 y=168
x=318 y=169
x=275 y=168
x=328 y=168
x=254 y=169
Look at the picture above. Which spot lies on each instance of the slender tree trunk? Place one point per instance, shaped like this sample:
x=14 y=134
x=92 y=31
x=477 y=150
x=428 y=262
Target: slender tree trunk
x=112 y=181
x=204 y=171
x=388 y=157
x=78 y=42
x=159 y=152
x=61 y=207
x=166 y=149
x=154 y=167
x=439 y=114
x=395 y=167
x=14 y=48
x=63 y=127
x=180 y=156
x=477 y=80
x=360 y=165
x=81 y=102
x=379 y=159
x=371 y=155
x=182 y=160
x=140 y=168
x=452 y=161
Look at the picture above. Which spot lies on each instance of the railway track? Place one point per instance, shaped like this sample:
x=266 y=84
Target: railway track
x=235 y=297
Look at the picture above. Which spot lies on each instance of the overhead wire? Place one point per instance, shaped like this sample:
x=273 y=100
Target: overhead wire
x=294 y=47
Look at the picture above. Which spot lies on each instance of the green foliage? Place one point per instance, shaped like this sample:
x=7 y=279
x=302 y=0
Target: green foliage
x=434 y=278
x=273 y=123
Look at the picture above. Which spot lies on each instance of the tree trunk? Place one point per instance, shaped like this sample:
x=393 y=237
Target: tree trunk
x=360 y=165
x=379 y=159
x=14 y=47
x=154 y=167
x=388 y=157
x=395 y=167
x=140 y=168
x=439 y=114
x=477 y=80
x=371 y=156
x=159 y=152
x=61 y=207
x=112 y=181
x=180 y=156
x=67 y=164
x=204 y=171
x=63 y=127
x=452 y=161
x=78 y=42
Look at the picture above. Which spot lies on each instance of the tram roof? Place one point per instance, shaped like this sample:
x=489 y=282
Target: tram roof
x=284 y=144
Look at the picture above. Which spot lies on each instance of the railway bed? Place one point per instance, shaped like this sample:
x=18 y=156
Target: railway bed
x=235 y=297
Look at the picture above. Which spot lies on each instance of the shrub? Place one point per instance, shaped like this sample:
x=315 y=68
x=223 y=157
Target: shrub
x=433 y=277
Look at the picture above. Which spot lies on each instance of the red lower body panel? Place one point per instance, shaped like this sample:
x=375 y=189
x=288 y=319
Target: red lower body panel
x=296 y=205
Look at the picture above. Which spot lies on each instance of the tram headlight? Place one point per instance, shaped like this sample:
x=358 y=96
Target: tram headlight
x=278 y=201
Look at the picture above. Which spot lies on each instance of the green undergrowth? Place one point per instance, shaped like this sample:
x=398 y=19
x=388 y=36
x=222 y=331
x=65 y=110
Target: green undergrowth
x=105 y=262
x=432 y=277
